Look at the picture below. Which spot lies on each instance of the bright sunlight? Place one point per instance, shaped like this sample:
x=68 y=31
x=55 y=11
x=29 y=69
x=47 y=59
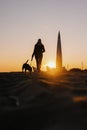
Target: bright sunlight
x=51 y=64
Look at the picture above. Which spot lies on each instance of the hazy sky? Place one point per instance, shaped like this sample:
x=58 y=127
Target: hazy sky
x=22 y=22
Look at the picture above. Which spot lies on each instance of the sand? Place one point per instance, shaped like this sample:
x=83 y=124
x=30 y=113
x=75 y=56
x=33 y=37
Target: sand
x=43 y=101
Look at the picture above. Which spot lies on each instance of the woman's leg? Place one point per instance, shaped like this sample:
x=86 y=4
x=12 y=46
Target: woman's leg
x=37 y=62
x=40 y=61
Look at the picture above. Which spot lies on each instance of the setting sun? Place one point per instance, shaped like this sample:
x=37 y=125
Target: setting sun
x=51 y=64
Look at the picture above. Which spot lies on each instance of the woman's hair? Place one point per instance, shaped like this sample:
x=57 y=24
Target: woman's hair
x=39 y=40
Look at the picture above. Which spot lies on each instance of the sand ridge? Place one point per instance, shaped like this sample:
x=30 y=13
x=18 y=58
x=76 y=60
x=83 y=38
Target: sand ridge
x=50 y=101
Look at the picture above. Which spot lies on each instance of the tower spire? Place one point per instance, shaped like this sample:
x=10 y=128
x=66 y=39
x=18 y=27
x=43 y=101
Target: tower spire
x=59 y=53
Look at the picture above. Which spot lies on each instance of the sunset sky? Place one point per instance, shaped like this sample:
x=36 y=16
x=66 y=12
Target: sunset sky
x=22 y=22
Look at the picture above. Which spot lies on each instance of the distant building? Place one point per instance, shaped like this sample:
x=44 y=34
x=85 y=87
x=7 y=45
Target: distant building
x=59 y=53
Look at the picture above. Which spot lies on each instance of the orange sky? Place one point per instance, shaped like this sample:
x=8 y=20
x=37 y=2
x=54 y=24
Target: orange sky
x=23 y=22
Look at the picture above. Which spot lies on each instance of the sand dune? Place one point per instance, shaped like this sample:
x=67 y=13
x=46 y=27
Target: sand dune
x=43 y=101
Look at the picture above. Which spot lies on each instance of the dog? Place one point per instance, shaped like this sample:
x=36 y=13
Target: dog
x=26 y=67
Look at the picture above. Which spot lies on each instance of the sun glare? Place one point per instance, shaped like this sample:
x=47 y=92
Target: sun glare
x=51 y=64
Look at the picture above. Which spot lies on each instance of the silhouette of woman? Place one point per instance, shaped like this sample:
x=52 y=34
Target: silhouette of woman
x=38 y=53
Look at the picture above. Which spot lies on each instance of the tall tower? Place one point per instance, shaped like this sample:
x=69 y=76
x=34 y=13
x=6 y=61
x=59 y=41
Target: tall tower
x=59 y=53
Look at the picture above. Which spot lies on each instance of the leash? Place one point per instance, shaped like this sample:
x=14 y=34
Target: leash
x=30 y=63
